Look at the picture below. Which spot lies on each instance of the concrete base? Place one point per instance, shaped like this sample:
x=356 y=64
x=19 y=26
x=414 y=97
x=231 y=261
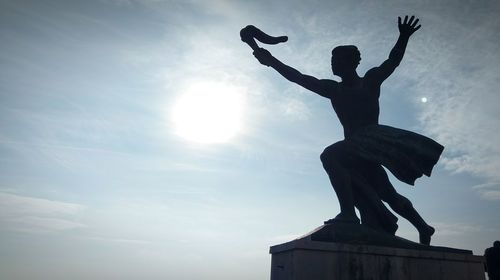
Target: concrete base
x=304 y=259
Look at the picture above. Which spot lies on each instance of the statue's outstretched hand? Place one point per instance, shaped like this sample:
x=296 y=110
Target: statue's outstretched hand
x=263 y=56
x=408 y=27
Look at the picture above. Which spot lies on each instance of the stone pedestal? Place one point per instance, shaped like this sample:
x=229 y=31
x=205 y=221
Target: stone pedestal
x=306 y=259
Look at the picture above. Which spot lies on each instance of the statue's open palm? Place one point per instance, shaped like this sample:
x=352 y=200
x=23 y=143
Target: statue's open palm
x=408 y=27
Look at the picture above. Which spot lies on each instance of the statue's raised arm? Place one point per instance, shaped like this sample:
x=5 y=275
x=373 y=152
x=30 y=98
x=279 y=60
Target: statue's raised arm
x=406 y=27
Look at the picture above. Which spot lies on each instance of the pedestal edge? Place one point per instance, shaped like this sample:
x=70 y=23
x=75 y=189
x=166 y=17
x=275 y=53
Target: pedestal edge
x=305 y=244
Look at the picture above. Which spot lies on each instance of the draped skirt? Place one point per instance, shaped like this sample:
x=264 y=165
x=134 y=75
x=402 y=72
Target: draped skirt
x=407 y=155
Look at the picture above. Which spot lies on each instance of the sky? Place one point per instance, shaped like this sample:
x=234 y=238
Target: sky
x=140 y=139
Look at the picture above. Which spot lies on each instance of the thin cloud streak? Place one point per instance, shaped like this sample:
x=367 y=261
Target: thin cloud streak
x=489 y=191
x=38 y=215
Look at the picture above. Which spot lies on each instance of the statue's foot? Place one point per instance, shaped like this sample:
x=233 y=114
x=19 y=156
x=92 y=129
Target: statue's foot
x=425 y=235
x=344 y=218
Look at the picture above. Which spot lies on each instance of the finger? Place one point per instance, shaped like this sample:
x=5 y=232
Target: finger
x=411 y=20
x=406 y=20
x=415 y=23
x=399 y=20
x=417 y=28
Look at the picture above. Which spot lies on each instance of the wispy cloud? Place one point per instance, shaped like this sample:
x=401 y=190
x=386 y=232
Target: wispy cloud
x=119 y=240
x=454 y=229
x=34 y=224
x=284 y=238
x=295 y=109
x=29 y=214
x=489 y=191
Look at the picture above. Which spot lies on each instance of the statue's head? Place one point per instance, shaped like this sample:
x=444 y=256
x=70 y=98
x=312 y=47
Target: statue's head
x=345 y=59
x=496 y=244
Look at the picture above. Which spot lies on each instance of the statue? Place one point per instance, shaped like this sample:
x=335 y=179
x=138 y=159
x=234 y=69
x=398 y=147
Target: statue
x=354 y=165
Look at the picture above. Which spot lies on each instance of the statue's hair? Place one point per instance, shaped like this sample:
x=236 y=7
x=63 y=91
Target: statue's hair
x=349 y=53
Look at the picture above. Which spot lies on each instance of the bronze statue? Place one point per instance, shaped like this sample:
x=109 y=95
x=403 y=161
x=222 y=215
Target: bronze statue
x=354 y=165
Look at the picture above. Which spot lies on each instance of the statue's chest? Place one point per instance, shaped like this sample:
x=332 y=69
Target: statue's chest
x=354 y=103
x=351 y=98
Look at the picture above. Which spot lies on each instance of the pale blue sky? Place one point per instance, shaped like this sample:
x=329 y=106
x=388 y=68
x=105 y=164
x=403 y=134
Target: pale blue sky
x=96 y=184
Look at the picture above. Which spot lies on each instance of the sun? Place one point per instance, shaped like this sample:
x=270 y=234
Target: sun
x=209 y=112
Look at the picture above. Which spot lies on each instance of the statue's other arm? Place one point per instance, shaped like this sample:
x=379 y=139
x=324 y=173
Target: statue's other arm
x=321 y=87
x=406 y=29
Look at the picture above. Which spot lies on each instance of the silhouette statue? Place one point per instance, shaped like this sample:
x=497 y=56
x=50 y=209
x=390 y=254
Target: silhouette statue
x=354 y=165
x=492 y=256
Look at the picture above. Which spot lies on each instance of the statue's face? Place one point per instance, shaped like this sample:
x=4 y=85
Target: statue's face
x=345 y=60
x=341 y=66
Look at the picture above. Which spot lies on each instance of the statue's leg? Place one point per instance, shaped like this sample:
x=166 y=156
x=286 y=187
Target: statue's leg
x=336 y=165
x=400 y=204
x=372 y=210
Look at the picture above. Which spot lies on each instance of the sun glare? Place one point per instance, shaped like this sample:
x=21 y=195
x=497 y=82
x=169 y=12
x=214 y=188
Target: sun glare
x=209 y=112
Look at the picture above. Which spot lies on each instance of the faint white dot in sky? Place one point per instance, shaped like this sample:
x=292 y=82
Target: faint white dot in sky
x=209 y=112
x=423 y=99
